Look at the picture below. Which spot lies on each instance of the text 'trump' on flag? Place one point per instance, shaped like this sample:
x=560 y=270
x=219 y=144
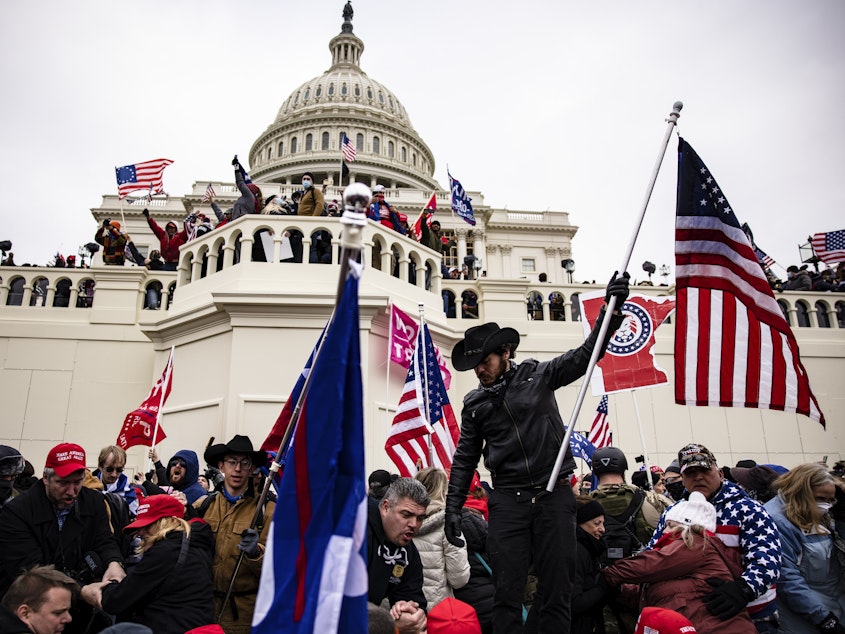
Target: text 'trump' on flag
x=733 y=347
x=139 y=426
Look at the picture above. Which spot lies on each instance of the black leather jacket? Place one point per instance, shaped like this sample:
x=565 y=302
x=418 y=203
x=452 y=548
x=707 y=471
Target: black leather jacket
x=520 y=434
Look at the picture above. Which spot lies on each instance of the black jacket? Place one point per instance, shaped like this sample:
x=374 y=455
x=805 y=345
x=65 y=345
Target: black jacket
x=166 y=597
x=478 y=592
x=588 y=598
x=29 y=534
x=395 y=572
x=11 y=624
x=520 y=431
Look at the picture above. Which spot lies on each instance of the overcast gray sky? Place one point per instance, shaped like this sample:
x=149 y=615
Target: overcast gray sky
x=543 y=104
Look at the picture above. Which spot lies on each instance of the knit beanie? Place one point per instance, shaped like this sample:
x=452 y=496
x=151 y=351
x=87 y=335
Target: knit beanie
x=674 y=467
x=696 y=511
x=451 y=616
x=589 y=511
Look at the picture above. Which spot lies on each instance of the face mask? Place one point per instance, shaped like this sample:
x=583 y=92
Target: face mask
x=306 y=184
x=277 y=200
x=824 y=507
x=5 y=488
x=675 y=489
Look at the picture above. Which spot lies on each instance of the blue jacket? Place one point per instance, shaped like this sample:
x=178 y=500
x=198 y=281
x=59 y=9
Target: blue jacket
x=191 y=488
x=810 y=583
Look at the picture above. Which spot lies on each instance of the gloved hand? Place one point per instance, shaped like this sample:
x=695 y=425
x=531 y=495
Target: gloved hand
x=728 y=599
x=452 y=528
x=831 y=624
x=146 y=212
x=618 y=288
x=235 y=161
x=106 y=222
x=249 y=542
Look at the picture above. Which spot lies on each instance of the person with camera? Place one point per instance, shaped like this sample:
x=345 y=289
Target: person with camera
x=112 y=241
x=60 y=522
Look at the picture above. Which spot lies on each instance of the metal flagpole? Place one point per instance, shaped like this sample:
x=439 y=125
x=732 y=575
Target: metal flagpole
x=424 y=358
x=356 y=199
x=672 y=121
x=646 y=463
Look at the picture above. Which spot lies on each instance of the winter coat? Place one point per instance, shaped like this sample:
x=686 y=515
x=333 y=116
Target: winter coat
x=801 y=282
x=114 y=246
x=30 y=534
x=588 y=597
x=812 y=582
x=228 y=520
x=478 y=591
x=169 y=246
x=677 y=579
x=520 y=430
x=245 y=204
x=10 y=623
x=166 y=596
x=439 y=556
x=395 y=572
x=311 y=203
x=190 y=486
x=743 y=524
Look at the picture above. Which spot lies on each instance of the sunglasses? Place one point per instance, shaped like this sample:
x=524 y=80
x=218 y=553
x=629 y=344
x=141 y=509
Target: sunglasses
x=177 y=462
x=113 y=469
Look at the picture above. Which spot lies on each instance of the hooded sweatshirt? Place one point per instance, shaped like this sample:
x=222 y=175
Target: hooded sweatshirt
x=190 y=487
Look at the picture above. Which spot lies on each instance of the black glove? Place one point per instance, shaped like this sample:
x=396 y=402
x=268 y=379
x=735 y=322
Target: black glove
x=728 y=599
x=106 y=222
x=146 y=212
x=235 y=161
x=249 y=542
x=831 y=624
x=452 y=528
x=618 y=288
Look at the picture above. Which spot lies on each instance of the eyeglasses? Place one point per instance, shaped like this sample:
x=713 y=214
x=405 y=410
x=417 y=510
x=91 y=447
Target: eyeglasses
x=113 y=469
x=234 y=463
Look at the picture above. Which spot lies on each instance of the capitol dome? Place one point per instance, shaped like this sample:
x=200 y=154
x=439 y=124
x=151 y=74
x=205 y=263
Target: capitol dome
x=306 y=134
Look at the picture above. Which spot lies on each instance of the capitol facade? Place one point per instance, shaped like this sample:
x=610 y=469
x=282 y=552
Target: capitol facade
x=79 y=350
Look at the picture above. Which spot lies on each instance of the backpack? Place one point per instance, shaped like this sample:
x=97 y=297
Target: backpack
x=620 y=518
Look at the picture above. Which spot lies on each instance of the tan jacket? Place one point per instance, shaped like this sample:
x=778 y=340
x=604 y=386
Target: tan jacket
x=311 y=203
x=228 y=521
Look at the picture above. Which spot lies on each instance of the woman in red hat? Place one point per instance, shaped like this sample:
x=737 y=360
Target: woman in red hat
x=171 y=589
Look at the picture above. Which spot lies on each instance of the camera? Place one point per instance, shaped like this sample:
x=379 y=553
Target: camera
x=89 y=571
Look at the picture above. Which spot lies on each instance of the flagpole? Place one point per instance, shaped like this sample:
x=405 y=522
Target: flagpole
x=646 y=462
x=166 y=385
x=424 y=357
x=387 y=380
x=672 y=121
x=356 y=199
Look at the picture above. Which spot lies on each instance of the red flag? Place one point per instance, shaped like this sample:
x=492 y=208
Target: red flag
x=431 y=205
x=600 y=434
x=139 y=425
x=629 y=360
x=410 y=435
x=733 y=347
x=403 y=333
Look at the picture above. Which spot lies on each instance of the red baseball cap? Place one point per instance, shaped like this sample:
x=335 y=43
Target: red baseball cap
x=65 y=458
x=663 y=621
x=451 y=616
x=153 y=508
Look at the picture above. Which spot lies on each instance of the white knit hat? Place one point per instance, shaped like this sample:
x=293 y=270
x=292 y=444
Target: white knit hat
x=695 y=511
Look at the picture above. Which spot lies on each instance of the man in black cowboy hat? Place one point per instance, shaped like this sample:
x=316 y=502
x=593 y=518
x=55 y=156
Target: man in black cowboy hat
x=512 y=419
x=229 y=512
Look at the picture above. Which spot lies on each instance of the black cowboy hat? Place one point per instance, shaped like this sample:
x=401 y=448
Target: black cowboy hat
x=238 y=445
x=478 y=342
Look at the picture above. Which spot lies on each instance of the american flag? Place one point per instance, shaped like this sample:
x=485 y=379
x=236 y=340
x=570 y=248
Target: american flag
x=209 y=194
x=762 y=258
x=600 y=431
x=348 y=149
x=147 y=175
x=408 y=442
x=830 y=247
x=733 y=347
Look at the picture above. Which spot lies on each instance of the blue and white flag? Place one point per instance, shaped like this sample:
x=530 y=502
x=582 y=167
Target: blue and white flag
x=582 y=448
x=460 y=201
x=314 y=576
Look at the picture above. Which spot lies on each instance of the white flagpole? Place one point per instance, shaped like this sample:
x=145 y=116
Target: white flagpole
x=646 y=462
x=164 y=388
x=672 y=121
x=389 y=353
x=424 y=358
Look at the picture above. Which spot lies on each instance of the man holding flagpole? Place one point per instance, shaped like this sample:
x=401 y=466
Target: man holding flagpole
x=512 y=419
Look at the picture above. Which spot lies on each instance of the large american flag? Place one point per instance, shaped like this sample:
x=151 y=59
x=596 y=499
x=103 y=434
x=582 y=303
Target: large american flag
x=146 y=175
x=410 y=435
x=600 y=431
x=733 y=347
x=830 y=247
x=348 y=149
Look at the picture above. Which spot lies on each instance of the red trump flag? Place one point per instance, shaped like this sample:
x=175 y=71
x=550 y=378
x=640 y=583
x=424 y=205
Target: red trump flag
x=139 y=426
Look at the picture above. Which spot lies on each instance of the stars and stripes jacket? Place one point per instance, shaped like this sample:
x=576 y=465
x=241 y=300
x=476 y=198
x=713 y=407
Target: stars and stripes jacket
x=743 y=523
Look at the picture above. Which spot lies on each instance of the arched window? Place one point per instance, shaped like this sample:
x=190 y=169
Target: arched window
x=281 y=151
x=307 y=94
x=404 y=154
x=296 y=99
x=359 y=142
x=535 y=306
x=369 y=93
x=381 y=97
x=821 y=312
x=15 y=297
x=376 y=145
x=840 y=314
x=309 y=142
x=576 y=307
x=357 y=90
x=414 y=159
x=325 y=141
x=803 y=315
x=784 y=308
x=293 y=143
x=390 y=149
x=556 y=312
x=318 y=92
x=269 y=152
x=343 y=89
x=448 y=303
x=331 y=89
